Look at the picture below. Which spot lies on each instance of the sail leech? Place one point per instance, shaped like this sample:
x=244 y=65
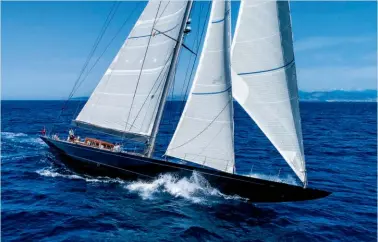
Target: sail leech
x=125 y=97
x=264 y=77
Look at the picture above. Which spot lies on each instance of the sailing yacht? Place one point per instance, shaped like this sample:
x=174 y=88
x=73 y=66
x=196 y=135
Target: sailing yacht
x=258 y=70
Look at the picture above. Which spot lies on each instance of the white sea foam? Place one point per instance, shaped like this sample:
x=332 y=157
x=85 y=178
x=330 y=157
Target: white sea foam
x=51 y=172
x=9 y=157
x=22 y=138
x=195 y=188
x=10 y=135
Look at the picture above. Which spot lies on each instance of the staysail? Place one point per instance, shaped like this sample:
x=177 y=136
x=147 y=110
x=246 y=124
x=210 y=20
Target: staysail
x=264 y=77
x=204 y=134
x=125 y=101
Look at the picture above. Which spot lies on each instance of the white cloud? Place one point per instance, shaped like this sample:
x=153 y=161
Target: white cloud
x=320 y=42
x=337 y=77
x=327 y=63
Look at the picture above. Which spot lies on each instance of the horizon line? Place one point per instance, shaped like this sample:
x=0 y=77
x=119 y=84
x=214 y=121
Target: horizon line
x=175 y=97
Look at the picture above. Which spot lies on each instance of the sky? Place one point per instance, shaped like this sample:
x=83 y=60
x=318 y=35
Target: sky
x=45 y=44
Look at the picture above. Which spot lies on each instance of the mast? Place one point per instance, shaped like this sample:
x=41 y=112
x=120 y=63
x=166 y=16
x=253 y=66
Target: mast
x=131 y=106
x=170 y=77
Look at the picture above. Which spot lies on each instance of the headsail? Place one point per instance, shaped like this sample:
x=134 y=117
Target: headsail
x=126 y=99
x=204 y=134
x=264 y=76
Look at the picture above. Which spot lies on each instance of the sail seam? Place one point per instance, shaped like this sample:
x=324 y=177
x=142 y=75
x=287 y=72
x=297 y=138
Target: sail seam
x=263 y=71
x=143 y=45
x=110 y=131
x=265 y=37
x=122 y=94
x=161 y=19
x=217 y=21
x=196 y=136
x=221 y=20
x=119 y=71
x=210 y=93
x=141 y=68
x=208 y=120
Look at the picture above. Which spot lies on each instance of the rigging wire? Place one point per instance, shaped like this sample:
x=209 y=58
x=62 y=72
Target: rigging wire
x=152 y=88
x=141 y=69
x=198 y=41
x=169 y=58
x=195 y=59
x=94 y=48
x=212 y=121
x=110 y=16
x=197 y=135
x=190 y=59
x=171 y=113
x=107 y=47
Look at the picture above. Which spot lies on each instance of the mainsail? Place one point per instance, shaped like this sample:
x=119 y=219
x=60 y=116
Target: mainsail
x=204 y=134
x=264 y=76
x=125 y=101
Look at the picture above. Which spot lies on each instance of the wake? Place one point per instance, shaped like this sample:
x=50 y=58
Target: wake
x=195 y=189
x=51 y=172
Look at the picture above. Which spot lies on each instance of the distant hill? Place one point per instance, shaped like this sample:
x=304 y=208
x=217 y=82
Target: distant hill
x=333 y=96
x=339 y=96
x=317 y=96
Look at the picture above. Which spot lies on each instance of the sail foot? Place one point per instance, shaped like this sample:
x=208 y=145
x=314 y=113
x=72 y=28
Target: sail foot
x=119 y=133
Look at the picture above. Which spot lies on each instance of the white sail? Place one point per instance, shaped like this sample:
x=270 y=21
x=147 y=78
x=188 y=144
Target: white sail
x=264 y=76
x=204 y=134
x=125 y=101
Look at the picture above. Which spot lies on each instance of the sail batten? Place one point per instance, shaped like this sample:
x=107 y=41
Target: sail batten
x=204 y=134
x=264 y=77
x=126 y=99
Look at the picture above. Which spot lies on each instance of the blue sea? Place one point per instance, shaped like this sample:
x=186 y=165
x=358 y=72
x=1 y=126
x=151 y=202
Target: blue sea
x=44 y=201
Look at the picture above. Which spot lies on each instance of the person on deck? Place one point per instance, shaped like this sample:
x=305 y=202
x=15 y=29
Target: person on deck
x=43 y=131
x=71 y=135
x=117 y=148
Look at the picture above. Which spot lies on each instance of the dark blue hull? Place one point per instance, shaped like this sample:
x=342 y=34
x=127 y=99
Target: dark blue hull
x=127 y=166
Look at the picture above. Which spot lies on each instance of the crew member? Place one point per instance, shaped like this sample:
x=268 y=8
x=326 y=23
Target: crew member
x=43 y=131
x=71 y=135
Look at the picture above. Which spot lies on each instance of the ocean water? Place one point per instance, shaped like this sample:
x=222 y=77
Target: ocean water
x=43 y=201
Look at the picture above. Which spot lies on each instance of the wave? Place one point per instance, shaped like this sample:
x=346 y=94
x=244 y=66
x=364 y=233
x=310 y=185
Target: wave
x=51 y=172
x=10 y=135
x=22 y=138
x=10 y=157
x=195 y=188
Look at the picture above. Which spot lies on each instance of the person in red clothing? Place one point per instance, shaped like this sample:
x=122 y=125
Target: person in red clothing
x=43 y=131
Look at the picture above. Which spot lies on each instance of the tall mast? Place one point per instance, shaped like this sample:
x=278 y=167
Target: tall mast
x=170 y=77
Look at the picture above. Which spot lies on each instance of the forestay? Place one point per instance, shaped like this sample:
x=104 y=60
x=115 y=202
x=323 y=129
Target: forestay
x=125 y=101
x=264 y=76
x=204 y=134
